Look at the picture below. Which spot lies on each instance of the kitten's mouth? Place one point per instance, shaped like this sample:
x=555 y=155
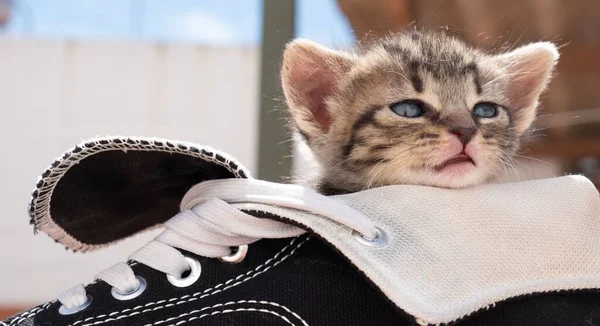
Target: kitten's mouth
x=458 y=159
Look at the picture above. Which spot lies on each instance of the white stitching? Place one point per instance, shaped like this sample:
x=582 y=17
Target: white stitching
x=235 y=310
x=37 y=310
x=218 y=305
x=279 y=306
x=40 y=205
x=203 y=294
x=229 y=304
x=24 y=315
x=29 y=313
x=189 y=298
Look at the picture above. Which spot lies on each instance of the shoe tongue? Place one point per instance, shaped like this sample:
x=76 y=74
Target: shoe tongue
x=107 y=189
x=450 y=253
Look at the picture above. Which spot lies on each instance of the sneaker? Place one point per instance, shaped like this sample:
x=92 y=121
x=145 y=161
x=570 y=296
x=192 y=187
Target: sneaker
x=240 y=251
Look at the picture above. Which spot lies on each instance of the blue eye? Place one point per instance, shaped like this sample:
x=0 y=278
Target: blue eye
x=485 y=110
x=409 y=109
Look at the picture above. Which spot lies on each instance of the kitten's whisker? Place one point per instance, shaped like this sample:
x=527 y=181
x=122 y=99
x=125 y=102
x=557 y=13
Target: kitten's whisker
x=534 y=159
x=525 y=168
x=507 y=169
x=403 y=74
x=540 y=129
x=502 y=76
x=373 y=176
x=510 y=163
x=435 y=9
x=412 y=179
x=535 y=136
x=342 y=162
x=398 y=157
x=517 y=41
x=291 y=140
x=393 y=161
x=544 y=115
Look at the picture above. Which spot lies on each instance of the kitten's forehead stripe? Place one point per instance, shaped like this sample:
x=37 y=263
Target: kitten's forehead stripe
x=414 y=35
x=396 y=50
x=472 y=69
x=415 y=79
x=440 y=56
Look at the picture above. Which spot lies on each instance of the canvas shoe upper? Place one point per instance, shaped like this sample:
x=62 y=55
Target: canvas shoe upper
x=239 y=251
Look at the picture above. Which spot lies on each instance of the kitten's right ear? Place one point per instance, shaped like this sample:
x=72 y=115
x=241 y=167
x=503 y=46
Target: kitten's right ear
x=310 y=74
x=529 y=70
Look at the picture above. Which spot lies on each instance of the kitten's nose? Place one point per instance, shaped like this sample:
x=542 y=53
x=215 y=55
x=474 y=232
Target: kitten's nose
x=464 y=134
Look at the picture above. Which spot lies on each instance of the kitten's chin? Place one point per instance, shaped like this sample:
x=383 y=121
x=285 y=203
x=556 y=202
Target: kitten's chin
x=458 y=170
x=459 y=175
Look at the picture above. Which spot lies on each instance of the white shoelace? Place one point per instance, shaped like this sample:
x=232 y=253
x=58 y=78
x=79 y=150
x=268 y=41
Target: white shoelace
x=208 y=225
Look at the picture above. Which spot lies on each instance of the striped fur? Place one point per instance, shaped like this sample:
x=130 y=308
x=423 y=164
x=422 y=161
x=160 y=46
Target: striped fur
x=340 y=103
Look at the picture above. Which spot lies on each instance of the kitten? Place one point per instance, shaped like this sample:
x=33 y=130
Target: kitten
x=421 y=108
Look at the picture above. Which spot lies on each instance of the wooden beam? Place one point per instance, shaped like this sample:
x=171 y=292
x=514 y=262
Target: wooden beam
x=274 y=149
x=376 y=18
x=565 y=148
x=579 y=59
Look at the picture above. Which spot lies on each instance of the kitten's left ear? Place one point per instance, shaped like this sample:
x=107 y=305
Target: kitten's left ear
x=311 y=74
x=529 y=71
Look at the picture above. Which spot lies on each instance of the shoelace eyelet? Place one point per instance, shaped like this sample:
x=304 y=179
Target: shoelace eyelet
x=195 y=271
x=237 y=256
x=69 y=311
x=380 y=240
x=132 y=294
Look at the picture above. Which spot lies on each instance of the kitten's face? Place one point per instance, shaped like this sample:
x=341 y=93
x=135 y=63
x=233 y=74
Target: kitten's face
x=422 y=109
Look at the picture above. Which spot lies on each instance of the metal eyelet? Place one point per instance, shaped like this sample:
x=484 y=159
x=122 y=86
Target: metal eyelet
x=236 y=256
x=195 y=271
x=380 y=240
x=132 y=294
x=69 y=311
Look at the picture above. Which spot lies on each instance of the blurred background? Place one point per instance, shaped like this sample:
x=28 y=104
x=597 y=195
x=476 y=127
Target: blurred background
x=206 y=71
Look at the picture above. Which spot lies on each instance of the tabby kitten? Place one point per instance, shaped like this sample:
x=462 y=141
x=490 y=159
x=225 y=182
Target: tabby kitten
x=421 y=108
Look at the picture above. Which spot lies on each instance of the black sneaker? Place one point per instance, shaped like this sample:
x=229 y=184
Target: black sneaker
x=238 y=251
